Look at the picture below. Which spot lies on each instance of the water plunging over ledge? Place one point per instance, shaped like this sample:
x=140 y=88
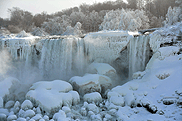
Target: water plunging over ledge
x=62 y=58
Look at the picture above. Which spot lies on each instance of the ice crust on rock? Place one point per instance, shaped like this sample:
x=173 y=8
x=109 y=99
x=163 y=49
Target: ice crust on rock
x=91 y=83
x=61 y=94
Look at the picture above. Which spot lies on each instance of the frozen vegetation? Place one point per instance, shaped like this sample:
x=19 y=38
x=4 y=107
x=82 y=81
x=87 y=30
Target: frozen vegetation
x=105 y=76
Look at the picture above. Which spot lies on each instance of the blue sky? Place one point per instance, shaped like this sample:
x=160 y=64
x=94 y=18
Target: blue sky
x=38 y=6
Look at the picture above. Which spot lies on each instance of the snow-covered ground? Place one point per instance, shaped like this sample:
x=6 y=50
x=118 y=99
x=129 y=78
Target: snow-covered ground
x=154 y=94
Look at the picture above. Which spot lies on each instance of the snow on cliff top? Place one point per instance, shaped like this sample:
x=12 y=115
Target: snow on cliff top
x=113 y=33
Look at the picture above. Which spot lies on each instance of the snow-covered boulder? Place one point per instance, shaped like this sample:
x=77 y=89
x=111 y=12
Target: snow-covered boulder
x=93 y=97
x=101 y=68
x=23 y=119
x=60 y=116
x=9 y=104
x=168 y=51
x=29 y=113
x=119 y=101
x=66 y=109
x=91 y=83
x=4 y=111
x=8 y=86
x=130 y=99
x=51 y=96
x=16 y=107
x=11 y=117
x=2 y=117
x=93 y=108
x=27 y=104
x=37 y=117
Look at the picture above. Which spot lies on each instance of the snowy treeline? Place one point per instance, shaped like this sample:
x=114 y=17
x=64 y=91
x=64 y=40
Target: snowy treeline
x=125 y=20
x=134 y=15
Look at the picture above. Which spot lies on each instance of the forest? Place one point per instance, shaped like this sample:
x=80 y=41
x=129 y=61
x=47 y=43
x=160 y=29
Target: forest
x=118 y=15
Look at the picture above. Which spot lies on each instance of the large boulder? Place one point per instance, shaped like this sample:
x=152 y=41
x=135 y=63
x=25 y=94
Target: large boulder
x=104 y=69
x=91 y=83
x=51 y=96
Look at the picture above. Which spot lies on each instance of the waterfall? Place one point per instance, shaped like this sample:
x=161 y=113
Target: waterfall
x=61 y=58
x=139 y=53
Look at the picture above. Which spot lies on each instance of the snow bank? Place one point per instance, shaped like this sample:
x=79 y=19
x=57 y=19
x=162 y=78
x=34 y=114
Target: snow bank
x=91 y=83
x=155 y=93
x=60 y=92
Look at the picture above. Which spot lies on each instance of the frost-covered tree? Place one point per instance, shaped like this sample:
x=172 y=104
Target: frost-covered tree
x=57 y=25
x=94 y=21
x=20 y=18
x=69 y=31
x=77 y=29
x=125 y=20
x=111 y=20
x=77 y=17
x=173 y=15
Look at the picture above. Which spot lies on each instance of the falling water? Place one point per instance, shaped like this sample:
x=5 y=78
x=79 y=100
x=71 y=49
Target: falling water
x=139 y=52
x=62 y=58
